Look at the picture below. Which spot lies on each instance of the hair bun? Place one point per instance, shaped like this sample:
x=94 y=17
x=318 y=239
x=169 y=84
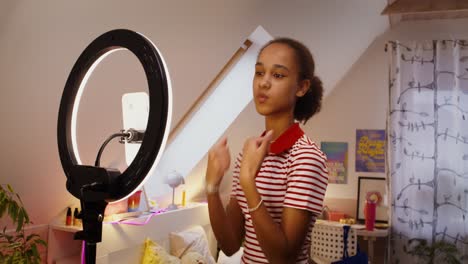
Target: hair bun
x=315 y=82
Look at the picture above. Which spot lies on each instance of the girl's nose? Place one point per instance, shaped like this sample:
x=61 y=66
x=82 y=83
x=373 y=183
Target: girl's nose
x=265 y=82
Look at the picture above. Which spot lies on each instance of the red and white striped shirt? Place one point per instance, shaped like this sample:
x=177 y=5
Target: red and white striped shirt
x=293 y=174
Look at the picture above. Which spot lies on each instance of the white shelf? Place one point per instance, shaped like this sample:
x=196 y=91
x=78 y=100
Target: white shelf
x=122 y=231
x=65 y=228
x=69 y=260
x=122 y=242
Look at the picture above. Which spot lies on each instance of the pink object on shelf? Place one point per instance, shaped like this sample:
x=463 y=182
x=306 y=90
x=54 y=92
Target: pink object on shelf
x=335 y=215
x=369 y=214
x=134 y=202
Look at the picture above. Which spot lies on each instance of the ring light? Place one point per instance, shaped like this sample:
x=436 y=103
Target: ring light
x=96 y=186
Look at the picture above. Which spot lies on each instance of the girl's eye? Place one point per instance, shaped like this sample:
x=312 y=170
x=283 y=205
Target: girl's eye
x=278 y=75
x=259 y=73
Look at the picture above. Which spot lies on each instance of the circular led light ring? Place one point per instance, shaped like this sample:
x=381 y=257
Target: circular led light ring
x=160 y=111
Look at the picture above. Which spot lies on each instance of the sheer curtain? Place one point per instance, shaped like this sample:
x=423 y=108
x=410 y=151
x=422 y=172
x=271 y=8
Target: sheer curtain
x=428 y=146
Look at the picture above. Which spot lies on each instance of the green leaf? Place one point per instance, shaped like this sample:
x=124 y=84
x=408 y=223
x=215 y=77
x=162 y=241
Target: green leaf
x=17 y=257
x=19 y=198
x=2 y=195
x=34 y=250
x=26 y=216
x=14 y=245
x=40 y=241
x=20 y=220
x=3 y=208
x=17 y=248
x=9 y=237
x=18 y=237
x=31 y=236
x=12 y=211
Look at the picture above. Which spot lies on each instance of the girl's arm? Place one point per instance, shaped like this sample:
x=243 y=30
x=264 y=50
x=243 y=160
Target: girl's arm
x=280 y=243
x=227 y=225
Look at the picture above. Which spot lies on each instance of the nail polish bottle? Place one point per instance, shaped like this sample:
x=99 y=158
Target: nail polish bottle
x=76 y=220
x=68 y=220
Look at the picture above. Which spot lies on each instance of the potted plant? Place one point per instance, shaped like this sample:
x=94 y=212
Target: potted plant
x=16 y=246
x=438 y=252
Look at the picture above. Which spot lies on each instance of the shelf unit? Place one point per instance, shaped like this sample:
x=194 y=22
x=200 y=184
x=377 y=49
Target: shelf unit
x=122 y=242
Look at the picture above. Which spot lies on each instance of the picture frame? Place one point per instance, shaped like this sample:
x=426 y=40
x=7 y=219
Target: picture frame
x=375 y=187
x=337 y=161
x=370 y=150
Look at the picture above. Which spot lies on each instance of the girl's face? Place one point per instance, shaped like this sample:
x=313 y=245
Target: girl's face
x=276 y=84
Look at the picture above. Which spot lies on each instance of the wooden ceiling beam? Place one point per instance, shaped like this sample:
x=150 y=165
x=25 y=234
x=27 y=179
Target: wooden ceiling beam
x=424 y=6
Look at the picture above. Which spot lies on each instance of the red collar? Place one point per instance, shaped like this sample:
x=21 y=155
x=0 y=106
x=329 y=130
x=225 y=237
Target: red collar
x=287 y=139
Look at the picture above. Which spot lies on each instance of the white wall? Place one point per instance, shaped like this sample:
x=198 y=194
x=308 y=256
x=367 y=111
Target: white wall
x=39 y=45
x=360 y=99
x=41 y=40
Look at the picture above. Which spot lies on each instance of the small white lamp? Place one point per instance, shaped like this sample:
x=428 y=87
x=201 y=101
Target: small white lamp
x=174 y=179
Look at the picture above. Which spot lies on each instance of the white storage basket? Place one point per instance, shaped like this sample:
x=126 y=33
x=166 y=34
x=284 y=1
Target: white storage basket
x=327 y=242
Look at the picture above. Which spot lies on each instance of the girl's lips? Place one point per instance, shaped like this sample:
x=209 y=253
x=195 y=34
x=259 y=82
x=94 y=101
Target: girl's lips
x=262 y=98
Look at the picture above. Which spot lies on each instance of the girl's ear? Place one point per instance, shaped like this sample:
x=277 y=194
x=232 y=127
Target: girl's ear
x=303 y=88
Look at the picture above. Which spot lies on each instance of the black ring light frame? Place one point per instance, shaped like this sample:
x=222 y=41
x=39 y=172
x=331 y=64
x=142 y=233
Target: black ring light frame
x=96 y=186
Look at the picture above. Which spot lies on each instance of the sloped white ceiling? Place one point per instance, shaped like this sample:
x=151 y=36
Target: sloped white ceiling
x=337 y=32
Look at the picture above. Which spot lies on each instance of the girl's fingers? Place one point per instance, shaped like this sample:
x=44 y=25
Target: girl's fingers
x=258 y=141
x=266 y=140
x=222 y=141
x=268 y=135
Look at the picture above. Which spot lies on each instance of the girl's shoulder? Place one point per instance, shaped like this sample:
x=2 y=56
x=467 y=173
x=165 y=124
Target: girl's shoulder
x=305 y=147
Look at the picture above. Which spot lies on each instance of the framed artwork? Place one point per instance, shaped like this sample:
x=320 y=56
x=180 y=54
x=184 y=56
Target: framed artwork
x=337 y=161
x=372 y=188
x=370 y=150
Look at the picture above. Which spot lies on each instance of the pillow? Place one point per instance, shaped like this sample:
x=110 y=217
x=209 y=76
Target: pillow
x=234 y=259
x=192 y=257
x=190 y=240
x=155 y=254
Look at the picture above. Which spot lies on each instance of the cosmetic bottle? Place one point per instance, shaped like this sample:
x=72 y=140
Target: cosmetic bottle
x=68 y=220
x=76 y=220
x=183 y=198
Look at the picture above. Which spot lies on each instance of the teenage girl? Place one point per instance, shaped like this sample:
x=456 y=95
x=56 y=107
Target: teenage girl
x=280 y=178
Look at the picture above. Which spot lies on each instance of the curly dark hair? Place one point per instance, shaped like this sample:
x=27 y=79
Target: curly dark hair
x=309 y=104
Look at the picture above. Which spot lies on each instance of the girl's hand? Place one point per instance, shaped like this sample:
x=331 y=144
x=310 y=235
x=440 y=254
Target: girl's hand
x=219 y=161
x=253 y=153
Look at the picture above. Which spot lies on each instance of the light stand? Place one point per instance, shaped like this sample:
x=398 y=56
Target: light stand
x=96 y=186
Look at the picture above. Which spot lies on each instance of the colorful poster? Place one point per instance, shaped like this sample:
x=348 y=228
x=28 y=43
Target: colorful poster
x=370 y=150
x=337 y=161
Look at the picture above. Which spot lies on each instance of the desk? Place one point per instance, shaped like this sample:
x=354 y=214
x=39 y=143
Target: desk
x=370 y=236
